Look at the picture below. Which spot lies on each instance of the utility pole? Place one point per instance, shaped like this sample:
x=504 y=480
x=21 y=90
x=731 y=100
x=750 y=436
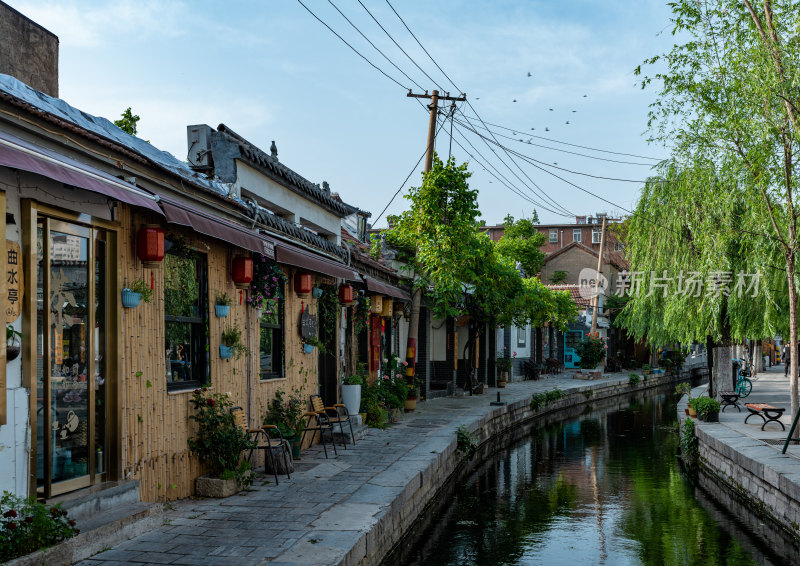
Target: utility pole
x=599 y=268
x=416 y=297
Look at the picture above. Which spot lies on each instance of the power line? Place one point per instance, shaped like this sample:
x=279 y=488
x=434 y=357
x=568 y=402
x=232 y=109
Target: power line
x=571 y=152
x=356 y=51
x=375 y=47
x=398 y=45
x=573 y=144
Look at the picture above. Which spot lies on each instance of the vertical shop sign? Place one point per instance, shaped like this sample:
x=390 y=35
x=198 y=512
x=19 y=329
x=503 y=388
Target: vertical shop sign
x=14 y=285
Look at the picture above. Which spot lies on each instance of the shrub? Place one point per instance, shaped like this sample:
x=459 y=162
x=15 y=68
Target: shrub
x=219 y=443
x=539 y=400
x=689 y=448
x=633 y=379
x=466 y=442
x=27 y=526
x=592 y=350
x=286 y=412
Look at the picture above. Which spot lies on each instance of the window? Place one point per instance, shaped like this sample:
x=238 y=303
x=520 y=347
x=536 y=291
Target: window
x=522 y=336
x=270 y=346
x=185 y=318
x=596 y=235
x=553 y=235
x=576 y=234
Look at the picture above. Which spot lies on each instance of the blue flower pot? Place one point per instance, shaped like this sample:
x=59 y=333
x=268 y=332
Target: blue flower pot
x=225 y=352
x=130 y=300
x=308 y=348
x=222 y=310
x=316 y=292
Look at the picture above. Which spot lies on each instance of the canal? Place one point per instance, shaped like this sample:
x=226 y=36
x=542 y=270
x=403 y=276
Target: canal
x=601 y=487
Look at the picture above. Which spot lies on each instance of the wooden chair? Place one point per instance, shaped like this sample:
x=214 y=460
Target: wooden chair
x=267 y=438
x=336 y=414
x=322 y=425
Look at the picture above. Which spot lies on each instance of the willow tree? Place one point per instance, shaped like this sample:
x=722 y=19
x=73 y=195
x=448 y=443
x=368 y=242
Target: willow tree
x=700 y=266
x=728 y=95
x=457 y=266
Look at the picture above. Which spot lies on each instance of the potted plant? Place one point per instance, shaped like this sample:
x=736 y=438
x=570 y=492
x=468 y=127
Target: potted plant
x=351 y=390
x=219 y=444
x=313 y=342
x=707 y=409
x=287 y=413
x=503 y=366
x=592 y=352
x=135 y=292
x=412 y=397
x=13 y=344
x=316 y=292
x=646 y=369
x=232 y=343
x=685 y=389
x=222 y=304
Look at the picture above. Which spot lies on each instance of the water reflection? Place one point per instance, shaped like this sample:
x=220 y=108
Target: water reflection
x=603 y=488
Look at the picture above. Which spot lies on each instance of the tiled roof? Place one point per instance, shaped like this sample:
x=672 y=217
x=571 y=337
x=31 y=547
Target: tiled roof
x=271 y=166
x=574 y=294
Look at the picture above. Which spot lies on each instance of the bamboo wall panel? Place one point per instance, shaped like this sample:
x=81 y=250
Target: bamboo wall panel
x=154 y=423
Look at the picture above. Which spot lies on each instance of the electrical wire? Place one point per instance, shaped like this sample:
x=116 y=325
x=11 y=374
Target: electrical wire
x=572 y=152
x=398 y=45
x=356 y=51
x=574 y=144
x=375 y=47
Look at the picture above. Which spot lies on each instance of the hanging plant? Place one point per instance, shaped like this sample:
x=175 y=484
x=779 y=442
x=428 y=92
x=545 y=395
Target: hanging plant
x=361 y=318
x=267 y=286
x=328 y=307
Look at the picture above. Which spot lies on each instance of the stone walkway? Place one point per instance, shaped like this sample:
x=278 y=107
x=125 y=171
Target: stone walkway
x=326 y=508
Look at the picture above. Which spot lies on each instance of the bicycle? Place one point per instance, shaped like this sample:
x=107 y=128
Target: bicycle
x=743 y=384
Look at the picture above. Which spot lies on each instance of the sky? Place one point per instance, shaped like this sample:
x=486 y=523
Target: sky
x=270 y=71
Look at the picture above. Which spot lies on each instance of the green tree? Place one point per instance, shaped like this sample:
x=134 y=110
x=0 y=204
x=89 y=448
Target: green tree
x=459 y=267
x=522 y=242
x=728 y=97
x=128 y=122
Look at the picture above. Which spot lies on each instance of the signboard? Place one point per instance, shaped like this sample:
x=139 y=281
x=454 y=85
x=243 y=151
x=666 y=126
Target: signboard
x=308 y=324
x=14 y=285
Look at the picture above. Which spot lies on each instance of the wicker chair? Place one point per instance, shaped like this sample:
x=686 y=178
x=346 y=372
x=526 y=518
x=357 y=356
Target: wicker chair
x=336 y=414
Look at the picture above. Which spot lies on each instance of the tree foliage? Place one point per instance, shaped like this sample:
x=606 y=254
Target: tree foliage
x=522 y=242
x=128 y=122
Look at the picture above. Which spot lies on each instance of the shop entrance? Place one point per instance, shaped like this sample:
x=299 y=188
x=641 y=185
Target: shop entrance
x=71 y=353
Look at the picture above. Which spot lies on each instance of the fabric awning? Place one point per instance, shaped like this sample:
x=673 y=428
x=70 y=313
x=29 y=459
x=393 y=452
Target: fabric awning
x=292 y=255
x=21 y=154
x=216 y=227
x=386 y=289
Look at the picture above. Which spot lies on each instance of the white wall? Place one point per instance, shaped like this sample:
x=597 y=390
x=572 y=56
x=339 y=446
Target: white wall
x=15 y=434
x=438 y=340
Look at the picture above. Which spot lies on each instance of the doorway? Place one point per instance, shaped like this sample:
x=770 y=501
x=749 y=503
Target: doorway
x=572 y=338
x=71 y=322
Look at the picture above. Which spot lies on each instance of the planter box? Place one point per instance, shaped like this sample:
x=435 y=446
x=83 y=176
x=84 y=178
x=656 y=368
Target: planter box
x=206 y=486
x=58 y=555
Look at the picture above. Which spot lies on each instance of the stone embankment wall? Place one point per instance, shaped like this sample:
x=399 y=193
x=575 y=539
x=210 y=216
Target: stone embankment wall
x=423 y=487
x=750 y=478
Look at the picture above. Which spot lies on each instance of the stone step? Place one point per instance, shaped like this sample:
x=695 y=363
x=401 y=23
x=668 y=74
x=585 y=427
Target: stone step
x=85 y=503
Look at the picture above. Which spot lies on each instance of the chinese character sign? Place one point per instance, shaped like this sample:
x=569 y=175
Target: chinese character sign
x=14 y=285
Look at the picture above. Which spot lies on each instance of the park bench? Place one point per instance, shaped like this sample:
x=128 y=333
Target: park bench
x=729 y=399
x=768 y=413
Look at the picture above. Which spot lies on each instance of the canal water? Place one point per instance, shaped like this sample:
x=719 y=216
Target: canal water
x=602 y=487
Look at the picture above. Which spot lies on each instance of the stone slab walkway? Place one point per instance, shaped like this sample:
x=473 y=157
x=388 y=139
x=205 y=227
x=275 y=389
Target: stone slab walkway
x=318 y=516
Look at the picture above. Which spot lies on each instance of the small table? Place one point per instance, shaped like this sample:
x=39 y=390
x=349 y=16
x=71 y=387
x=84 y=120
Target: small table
x=729 y=399
x=768 y=413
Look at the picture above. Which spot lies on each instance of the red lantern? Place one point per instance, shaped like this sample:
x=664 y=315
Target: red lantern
x=346 y=294
x=150 y=245
x=302 y=283
x=242 y=271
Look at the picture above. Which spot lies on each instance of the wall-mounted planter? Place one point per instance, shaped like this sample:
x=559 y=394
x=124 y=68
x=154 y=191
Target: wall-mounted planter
x=222 y=310
x=13 y=348
x=316 y=292
x=130 y=300
x=308 y=348
x=225 y=352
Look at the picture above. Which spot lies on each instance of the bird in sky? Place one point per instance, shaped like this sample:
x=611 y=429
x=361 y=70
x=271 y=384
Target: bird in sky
x=529 y=74
x=555 y=162
x=574 y=110
x=567 y=121
x=547 y=129
x=533 y=128
x=585 y=95
x=515 y=100
x=551 y=110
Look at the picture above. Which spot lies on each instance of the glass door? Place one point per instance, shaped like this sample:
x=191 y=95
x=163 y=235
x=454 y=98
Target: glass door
x=71 y=343
x=572 y=339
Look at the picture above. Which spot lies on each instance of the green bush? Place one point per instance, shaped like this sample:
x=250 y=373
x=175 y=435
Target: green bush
x=634 y=379
x=466 y=442
x=286 y=412
x=27 y=526
x=689 y=448
x=539 y=400
x=704 y=406
x=592 y=350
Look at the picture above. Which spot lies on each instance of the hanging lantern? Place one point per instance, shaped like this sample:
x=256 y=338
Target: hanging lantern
x=376 y=304
x=346 y=294
x=302 y=284
x=242 y=271
x=388 y=307
x=150 y=245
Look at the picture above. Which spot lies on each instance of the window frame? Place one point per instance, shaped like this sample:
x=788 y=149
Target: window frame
x=596 y=236
x=277 y=344
x=553 y=235
x=576 y=231
x=200 y=348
